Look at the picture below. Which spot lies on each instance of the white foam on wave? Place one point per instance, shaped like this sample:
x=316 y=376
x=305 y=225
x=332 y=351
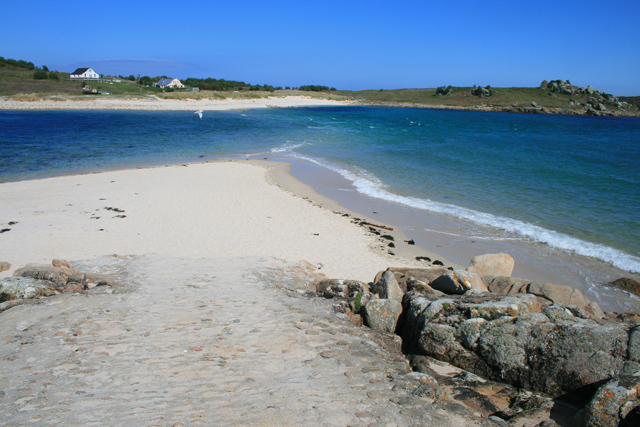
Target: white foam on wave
x=371 y=186
x=289 y=147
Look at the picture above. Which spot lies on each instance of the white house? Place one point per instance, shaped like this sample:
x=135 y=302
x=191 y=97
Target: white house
x=169 y=83
x=84 y=74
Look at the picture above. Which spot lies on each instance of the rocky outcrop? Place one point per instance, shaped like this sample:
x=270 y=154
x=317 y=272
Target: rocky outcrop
x=627 y=284
x=515 y=340
x=387 y=287
x=404 y=275
x=541 y=341
x=458 y=282
x=12 y=288
x=551 y=293
x=481 y=92
x=616 y=403
x=382 y=315
x=37 y=280
x=491 y=265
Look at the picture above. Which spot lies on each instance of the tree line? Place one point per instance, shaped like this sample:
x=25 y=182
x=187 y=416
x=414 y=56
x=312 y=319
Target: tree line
x=42 y=73
x=221 y=85
x=20 y=63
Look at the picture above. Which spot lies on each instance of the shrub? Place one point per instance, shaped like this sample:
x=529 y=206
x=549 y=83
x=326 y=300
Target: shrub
x=442 y=90
x=53 y=76
x=316 y=88
x=40 y=75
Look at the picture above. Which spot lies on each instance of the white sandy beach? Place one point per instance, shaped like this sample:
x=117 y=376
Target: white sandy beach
x=203 y=210
x=154 y=103
x=210 y=327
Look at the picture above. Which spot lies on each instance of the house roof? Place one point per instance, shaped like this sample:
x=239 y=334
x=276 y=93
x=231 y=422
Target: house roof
x=80 y=71
x=164 y=82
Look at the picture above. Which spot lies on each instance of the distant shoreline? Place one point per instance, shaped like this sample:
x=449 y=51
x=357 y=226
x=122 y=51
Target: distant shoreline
x=153 y=103
x=497 y=109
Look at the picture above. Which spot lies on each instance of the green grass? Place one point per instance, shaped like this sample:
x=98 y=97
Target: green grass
x=14 y=81
x=19 y=84
x=210 y=94
x=462 y=97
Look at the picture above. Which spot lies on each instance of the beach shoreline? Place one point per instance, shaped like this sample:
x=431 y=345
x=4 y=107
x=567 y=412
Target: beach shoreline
x=154 y=103
x=247 y=207
x=436 y=234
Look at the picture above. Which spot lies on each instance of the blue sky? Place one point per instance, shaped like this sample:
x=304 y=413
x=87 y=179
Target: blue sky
x=345 y=44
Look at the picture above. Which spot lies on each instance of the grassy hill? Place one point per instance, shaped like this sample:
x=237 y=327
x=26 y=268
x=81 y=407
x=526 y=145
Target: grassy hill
x=18 y=83
x=519 y=97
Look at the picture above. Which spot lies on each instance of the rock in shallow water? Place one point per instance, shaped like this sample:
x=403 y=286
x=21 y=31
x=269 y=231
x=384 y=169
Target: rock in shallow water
x=491 y=265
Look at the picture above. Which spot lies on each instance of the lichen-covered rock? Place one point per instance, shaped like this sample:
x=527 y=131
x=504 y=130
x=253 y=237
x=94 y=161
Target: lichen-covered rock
x=559 y=294
x=387 y=287
x=355 y=293
x=415 y=285
x=4 y=266
x=469 y=331
x=633 y=346
x=459 y=282
x=404 y=275
x=20 y=288
x=565 y=357
x=509 y=339
x=346 y=289
x=507 y=306
x=615 y=403
x=57 y=275
x=60 y=263
x=382 y=314
x=491 y=265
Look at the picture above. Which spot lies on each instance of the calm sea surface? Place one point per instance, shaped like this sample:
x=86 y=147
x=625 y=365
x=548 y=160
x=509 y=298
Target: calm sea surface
x=569 y=183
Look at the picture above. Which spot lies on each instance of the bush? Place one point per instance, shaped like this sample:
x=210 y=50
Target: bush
x=53 y=75
x=316 y=88
x=145 y=80
x=40 y=75
x=442 y=90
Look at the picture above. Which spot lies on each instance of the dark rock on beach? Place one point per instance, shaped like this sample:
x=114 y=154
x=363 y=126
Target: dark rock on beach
x=627 y=284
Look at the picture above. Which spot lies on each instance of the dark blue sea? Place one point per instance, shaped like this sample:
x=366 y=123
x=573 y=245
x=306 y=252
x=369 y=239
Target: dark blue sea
x=567 y=183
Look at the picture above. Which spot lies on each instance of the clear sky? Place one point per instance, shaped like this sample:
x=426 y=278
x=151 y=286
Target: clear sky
x=347 y=44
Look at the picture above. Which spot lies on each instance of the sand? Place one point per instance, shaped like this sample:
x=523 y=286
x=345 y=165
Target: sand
x=229 y=208
x=106 y=102
x=213 y=325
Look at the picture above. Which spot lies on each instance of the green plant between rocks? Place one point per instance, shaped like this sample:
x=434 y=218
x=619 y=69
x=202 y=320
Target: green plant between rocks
x=358 y=302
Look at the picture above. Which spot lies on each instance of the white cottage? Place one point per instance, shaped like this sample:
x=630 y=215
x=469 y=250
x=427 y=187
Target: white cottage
x=84 y=74
x=170 y=83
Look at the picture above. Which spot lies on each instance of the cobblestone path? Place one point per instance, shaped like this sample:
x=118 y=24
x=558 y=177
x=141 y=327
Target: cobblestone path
x=198 y=342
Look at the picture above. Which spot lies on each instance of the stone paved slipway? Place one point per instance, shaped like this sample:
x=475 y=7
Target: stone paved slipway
x=200 y=342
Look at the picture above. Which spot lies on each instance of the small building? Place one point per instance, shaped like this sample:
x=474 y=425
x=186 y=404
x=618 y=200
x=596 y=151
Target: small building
x=84 y=74
x=169 y=82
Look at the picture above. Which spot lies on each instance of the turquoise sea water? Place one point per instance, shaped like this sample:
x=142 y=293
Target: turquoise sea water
x=571 y=183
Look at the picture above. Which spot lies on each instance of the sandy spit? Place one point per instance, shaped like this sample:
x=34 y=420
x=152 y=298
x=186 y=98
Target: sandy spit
x=155 y=103
x=208 y=210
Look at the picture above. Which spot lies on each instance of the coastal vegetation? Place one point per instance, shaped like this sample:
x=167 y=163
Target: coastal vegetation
x=22 y=80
